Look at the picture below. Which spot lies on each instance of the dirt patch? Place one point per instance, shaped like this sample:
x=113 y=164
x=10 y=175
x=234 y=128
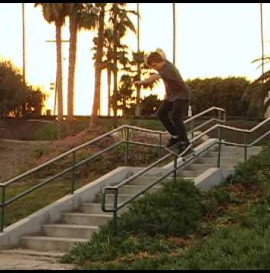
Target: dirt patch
x=17 y=157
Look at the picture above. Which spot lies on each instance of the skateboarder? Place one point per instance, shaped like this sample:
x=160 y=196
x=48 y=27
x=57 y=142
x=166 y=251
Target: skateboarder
x=177 y=99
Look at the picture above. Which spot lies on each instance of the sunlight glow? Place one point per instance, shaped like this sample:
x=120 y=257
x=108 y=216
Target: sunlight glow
x=213 y=40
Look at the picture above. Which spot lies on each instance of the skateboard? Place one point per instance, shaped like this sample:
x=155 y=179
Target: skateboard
x=184 y=154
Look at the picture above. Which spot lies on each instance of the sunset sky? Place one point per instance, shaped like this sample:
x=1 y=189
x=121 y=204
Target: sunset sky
x=213 y=39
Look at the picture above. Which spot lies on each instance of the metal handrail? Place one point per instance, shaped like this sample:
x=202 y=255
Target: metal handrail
x=115 y=188
x=72 y=151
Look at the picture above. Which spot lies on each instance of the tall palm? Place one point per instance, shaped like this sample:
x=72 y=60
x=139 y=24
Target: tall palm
x=73 y=13
x=262 y=36
x=56 y=13
x=120 y=22
x=99 y=64
x=174 y=33
x=81 y=15
x=258 y=92
x=138 y=87
x=109 y=44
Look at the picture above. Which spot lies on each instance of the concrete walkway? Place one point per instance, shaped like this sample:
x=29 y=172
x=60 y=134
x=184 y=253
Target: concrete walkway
x=27 y=260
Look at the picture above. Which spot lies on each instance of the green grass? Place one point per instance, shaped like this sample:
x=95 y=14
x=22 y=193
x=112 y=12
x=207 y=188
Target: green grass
x=182 y=228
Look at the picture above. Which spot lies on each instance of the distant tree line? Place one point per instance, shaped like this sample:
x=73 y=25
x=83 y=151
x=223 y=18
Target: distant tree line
x=20 y=100
x=228 y=93
x=16 y=98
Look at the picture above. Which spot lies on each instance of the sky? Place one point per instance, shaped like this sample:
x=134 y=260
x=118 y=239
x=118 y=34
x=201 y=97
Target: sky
x=213 y=40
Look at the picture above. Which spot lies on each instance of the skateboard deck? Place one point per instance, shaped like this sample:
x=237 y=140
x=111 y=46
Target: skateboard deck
x=185 y=153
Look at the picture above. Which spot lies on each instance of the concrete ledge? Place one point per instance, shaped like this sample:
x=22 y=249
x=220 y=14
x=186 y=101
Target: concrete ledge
x=11 y=235
x=212 y=177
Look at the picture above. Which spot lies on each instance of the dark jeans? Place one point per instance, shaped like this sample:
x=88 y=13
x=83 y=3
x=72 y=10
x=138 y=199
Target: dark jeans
x=174 y=123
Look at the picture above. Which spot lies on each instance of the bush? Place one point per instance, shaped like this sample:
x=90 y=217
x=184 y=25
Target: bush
x=174 y=210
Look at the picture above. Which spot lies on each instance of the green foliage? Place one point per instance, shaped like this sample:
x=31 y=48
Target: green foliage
x=226 y=93
x=252 y=170
x=150 y=105
x=46 y=132
x=258 y=91
x=174 y=210
x=16 y=98
x=237 y=237
x=229 y=248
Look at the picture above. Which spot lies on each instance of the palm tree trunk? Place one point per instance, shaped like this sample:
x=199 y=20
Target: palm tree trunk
x=59 y=80
x=72 y=64
x=138 y=111
x=174 y=34
x=98 y=67
x=115 y=87
x=73 y=28
x=109 y=90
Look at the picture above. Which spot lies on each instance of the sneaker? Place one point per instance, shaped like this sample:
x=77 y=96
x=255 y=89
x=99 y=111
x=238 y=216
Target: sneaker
x=183 y=146
x=172 y=142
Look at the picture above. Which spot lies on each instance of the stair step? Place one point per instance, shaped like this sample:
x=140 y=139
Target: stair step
x=146 y=180
x=224 y=160
x=69 y=231
x=95 y=208
x=189 y=173
x=46 y=243
x=199 y=167
x=132 y=189
x=86 y=219
x=110 y=197
x=92 y=208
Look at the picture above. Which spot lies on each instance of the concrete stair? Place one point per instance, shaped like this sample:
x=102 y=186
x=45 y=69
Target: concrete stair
x=78 y=226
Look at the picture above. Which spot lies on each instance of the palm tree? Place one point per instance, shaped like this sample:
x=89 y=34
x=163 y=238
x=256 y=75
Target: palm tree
x=262 y=38
x=81 y=15
x=121 y=23
x=99 y=64
x=138 y=87
x=258 y=92
x=108 y=35
x=56 y=13
x=174 y=33
x=73 y=13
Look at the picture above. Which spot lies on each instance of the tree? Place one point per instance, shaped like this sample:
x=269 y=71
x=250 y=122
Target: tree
x=149 y=105
x=138 y=87
x=258 y=92
x=98 y=64
x=56 y=13
x=81 y=15
x=121 y=23
x=16 y=98
x=124 y=95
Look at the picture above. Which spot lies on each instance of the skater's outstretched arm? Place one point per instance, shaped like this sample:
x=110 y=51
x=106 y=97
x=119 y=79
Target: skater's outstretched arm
x=149 y=80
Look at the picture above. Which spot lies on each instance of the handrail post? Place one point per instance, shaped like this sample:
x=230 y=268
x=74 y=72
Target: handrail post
x=219 y=116
x=192 y=128
x=160 y=145
x=3 y=208
x=245 y=147
x=219 y=147
x=73 y=172
x=127 y=145
x=174 y=169
x=115 y=209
